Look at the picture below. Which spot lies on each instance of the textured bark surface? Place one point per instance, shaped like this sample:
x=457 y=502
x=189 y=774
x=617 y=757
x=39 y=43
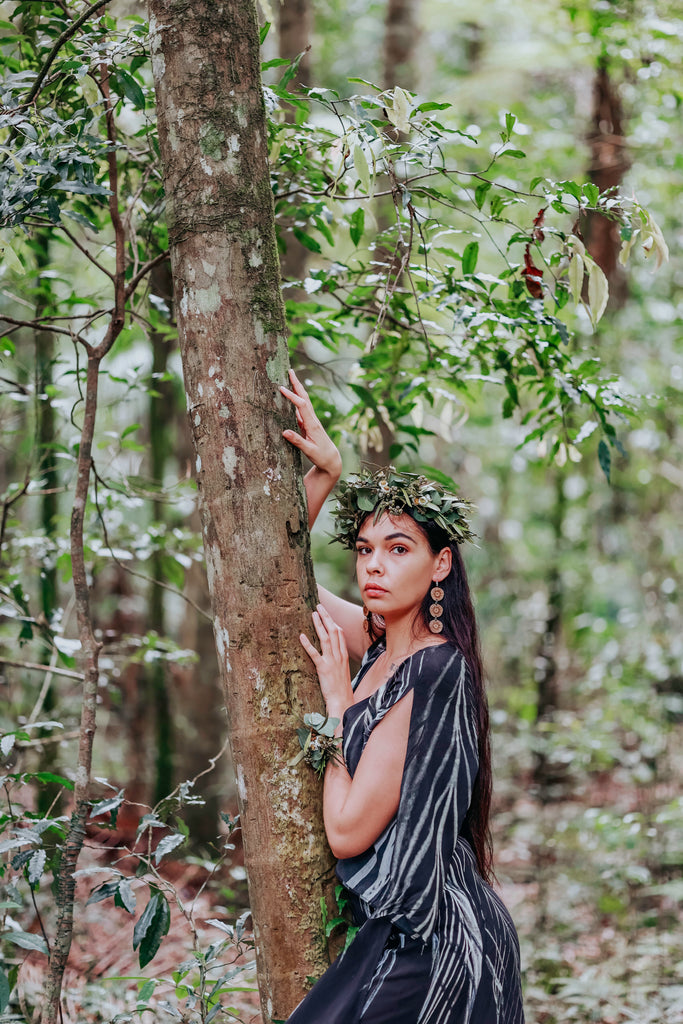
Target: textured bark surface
x=233 y=344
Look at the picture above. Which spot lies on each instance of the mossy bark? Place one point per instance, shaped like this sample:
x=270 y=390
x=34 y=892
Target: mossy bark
x=232 y=335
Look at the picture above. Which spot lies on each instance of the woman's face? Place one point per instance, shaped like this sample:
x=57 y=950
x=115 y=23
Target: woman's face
x=395 y=565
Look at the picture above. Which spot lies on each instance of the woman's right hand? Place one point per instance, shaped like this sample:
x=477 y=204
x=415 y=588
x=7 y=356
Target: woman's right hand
x=312 y=440
x=331 y=663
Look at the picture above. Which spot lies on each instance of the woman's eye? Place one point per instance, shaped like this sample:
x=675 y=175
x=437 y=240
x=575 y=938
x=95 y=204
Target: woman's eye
x=362 y=550
x=399 y=549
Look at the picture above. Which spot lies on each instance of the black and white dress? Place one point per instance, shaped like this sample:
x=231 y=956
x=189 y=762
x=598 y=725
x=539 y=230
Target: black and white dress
x=436 y=944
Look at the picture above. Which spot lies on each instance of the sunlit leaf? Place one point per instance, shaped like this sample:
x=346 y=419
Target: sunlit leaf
x=27 y=940
x=576 y=276
x=598 y=292
x=361 y=167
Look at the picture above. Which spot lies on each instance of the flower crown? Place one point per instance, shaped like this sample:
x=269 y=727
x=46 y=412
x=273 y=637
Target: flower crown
x=391 y=491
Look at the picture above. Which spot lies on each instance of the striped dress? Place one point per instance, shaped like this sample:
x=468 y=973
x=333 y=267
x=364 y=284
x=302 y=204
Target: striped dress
x=436 y=945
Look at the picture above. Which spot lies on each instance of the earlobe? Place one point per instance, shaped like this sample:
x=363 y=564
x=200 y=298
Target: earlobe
x=443 y=566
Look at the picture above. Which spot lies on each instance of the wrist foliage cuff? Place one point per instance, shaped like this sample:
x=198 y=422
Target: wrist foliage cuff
x=319 y=745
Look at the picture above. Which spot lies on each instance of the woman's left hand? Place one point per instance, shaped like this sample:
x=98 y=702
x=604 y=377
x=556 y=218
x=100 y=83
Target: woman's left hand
x=331 y=663
x=313 y=440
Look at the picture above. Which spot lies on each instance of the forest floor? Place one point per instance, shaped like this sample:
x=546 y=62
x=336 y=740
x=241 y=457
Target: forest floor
x=600 y=932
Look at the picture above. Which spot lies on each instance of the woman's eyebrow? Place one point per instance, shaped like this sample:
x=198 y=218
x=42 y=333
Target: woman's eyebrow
x=389 y=537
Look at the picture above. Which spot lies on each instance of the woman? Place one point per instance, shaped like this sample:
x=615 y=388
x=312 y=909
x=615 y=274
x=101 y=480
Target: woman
x=406 y=810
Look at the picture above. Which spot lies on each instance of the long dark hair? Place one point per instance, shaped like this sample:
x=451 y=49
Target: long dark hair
x=460 y=629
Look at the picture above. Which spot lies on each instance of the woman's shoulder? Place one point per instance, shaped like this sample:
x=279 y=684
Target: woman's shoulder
x=434 y=657
x=440 y=672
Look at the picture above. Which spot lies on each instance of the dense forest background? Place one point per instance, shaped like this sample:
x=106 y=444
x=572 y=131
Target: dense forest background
x=578 y=565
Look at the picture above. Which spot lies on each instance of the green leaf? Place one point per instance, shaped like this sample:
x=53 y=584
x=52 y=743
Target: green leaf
x=291 y=71
x=364 y=81
x=263 y=32
x=35 y=867
x=469 y=258
x=173 y=571
x=480 y=193
x=276 y=62
x=357 y=225
x=104 y=891
x=27 y=940
x=497 y=206
x=517 y=154
x=151 y=927
x=598 y=292
x=573 y=189
x=576 y=276
x=605 y=459
x=592 y=194
x=361 y=167
x=167 y=844
x=131 y=88
x=306 y=240
x=8 y=256
x=112 y=803
x=425 y=107
x=124 y=896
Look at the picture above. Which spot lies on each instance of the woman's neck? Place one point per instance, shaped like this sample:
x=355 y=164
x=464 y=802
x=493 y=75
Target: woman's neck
x=401 y=640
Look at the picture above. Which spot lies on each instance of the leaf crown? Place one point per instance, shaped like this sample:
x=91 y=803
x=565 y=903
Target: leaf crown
x=391 y=491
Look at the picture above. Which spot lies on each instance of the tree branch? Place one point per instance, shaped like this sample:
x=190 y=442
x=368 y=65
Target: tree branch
x=34 y=325
x=59 y=43
x=72 y=238
x=66 y=882
x=35 y=666
x=145 y=269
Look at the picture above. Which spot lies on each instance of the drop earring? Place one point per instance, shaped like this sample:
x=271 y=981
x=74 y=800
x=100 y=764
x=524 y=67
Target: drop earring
x=436 y=609
x=367 y=619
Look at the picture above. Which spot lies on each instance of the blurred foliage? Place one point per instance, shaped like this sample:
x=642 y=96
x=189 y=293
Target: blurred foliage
x=577 y=582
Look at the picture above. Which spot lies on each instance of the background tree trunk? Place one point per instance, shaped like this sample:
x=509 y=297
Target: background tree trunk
x=295 y=23
x=401 y=37
x=609 y=162
x=233 y=345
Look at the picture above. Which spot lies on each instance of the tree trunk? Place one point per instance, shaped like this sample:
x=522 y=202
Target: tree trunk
x=608 y=165
x=160 y=416
x=401 y=36
x=231 y=326
x=295 y=22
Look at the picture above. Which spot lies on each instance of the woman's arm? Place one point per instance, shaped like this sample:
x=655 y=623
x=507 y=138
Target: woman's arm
x=319 y=483
x=356 y=811
x=316 y=445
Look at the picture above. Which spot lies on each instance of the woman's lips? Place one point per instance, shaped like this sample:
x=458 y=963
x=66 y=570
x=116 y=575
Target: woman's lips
x=372 y=590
